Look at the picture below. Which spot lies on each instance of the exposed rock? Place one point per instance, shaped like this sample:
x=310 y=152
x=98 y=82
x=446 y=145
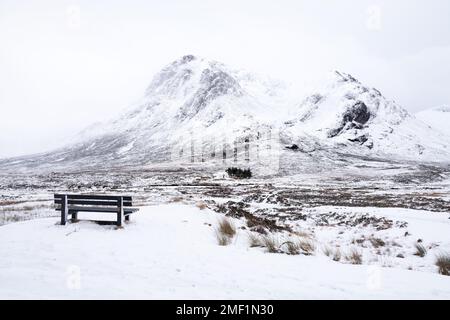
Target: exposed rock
x=293 y=147
x=355 y=117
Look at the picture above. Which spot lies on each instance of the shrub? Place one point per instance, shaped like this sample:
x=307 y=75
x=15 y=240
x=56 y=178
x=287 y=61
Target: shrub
x=225 y=232
x=176 y=199
x=201 y=205
x=335 y=255
x=255 y=240
x=239 y=173
x=355 y=257
x=377 y=242
x=421 y=251
x=306 y=246
x=270 y=243
x=443 y=264
x=292 y=247
x=227 y=228
x=222 y=239
x=327 y=251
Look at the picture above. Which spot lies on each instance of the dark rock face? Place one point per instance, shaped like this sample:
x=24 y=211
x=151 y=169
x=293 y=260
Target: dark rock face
x=187 y=58
x=345 y=77
x=214 y=83
x=294 y=147
x=357 y=113
x=361 y=139
x=355 y=117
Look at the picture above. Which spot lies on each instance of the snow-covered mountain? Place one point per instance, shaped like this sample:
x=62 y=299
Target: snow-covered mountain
x=438 y=118
x=344 y=112
x=196 y=106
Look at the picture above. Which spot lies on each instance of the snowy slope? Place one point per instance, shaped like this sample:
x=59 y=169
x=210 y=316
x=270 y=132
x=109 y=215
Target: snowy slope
x=437 y=118
x=170 y=252
x=346 y=114
x=199 y=106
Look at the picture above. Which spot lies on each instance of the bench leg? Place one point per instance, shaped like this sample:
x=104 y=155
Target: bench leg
x=127 y=217
x=64 y=210
x=75 y=217
x=119 y=211
x=119 y=219
x=63 y=218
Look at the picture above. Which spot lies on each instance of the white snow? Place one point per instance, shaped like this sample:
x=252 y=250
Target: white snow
x=201 y=102
x=438 y=118
x=170 y=252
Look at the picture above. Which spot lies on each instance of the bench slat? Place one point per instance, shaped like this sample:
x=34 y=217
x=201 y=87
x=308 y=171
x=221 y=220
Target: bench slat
x=96 y=209
x=126 y=212
x=91 y=197
x=95 y=202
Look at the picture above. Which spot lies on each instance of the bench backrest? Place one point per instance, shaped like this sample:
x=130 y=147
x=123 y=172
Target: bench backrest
x=93 y=200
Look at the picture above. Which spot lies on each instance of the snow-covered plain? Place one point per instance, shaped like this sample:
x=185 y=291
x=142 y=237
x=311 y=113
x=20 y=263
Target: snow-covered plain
x=170 y=251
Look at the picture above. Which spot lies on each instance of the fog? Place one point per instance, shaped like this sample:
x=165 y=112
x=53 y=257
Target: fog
x=67 y=64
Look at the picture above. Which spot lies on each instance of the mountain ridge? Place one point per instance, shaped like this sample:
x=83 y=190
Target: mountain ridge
x=201 y=100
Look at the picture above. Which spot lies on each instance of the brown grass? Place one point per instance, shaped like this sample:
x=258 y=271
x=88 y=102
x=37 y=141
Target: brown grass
x=225 y=232
x=255 y=240
x=292 y=247
x=222 y=239
x=421 y=251
x=377 y=242
x=335 y=254
x=271 y=244
x=327 y=251
x=443 y=263
x=302 y=234
x=176 y=199
x=306 y=246
x=201 y=205
x=354 y=257
x=23 y=208
x=10 y=202
x=227 y=228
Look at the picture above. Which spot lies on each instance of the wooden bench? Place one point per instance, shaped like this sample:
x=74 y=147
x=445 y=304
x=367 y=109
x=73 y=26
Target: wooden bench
x=71 y=204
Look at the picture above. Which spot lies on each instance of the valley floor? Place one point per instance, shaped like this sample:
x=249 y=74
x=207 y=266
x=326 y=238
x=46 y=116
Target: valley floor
x=170 y=251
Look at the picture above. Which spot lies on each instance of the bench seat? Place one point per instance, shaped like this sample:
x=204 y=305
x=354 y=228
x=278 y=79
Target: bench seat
x=70 y=204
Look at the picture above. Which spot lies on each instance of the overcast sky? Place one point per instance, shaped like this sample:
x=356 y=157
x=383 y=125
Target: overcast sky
x=66 y=64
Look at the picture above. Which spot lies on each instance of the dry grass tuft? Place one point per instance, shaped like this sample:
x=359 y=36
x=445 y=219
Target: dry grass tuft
x=271 y=244
x=225 y=232
x=255 y=240
x=201 y=205
x=421 y=251
x=443 y=263
x=377 y=242
x=222 y=239
x=292 y=247
x=10 y=202
x=176 y=199
x=354 y=257
x=327 y=251
x=227 y=228
x=302 y=234
x=307 y=247
x=335 y=255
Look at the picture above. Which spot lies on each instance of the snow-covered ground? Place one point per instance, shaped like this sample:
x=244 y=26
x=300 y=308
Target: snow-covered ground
x=170 y=251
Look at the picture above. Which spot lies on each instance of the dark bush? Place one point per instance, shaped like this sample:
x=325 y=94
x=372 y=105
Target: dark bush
x=239 y=173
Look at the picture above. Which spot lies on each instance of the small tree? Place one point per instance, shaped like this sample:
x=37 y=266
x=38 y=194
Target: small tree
x=239 y=173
